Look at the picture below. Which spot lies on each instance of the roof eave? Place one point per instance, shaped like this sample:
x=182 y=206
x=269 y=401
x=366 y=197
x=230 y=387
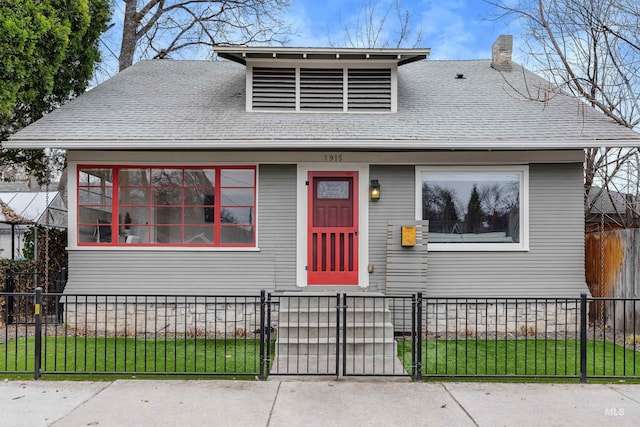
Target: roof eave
x=242 y=54
x=322 y=144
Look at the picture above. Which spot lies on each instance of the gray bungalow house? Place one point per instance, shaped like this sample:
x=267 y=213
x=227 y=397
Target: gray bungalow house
x=295 y=168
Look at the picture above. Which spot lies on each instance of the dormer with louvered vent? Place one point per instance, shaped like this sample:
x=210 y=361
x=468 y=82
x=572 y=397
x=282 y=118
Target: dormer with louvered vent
x=322 y=80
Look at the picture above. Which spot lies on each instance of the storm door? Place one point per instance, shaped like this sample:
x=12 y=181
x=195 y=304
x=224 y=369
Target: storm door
x=332 y=253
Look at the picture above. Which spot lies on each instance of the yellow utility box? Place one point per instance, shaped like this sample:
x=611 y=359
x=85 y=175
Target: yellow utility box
x=408 y=235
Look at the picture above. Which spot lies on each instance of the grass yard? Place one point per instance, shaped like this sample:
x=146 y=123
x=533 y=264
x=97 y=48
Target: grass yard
x=133 y=355
x=521 y=358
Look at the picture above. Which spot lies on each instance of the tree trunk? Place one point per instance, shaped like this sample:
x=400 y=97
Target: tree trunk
x=129 y=35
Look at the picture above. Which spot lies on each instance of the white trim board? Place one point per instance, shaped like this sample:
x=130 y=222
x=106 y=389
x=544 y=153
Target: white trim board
x=412 y=158
x=363 y=218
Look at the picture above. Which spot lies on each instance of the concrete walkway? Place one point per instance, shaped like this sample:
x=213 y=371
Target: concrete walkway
x=323 y=402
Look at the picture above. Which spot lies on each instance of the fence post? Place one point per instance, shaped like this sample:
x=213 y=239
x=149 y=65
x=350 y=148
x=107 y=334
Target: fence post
x=262 y=334
x=583 y=338
x=267 y=353
x=419 y=337
x=38 y=333
x=414 y=333
x=10 y=288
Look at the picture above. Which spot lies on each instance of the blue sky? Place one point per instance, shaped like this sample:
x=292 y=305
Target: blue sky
x=453 y=29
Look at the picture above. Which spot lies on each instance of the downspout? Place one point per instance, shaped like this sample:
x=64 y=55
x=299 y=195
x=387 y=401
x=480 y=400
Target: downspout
x=13 y=242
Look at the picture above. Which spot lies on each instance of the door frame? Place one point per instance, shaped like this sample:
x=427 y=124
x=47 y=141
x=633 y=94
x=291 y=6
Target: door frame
x=302 y=218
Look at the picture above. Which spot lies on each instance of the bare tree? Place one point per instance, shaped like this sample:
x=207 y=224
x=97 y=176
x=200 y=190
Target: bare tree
x=591 y=49
x=382 y=25
x=159 y=28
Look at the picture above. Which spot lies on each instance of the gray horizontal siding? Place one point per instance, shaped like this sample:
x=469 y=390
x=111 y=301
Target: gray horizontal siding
x=554 y=265
x=396 y=203
x=187 y=272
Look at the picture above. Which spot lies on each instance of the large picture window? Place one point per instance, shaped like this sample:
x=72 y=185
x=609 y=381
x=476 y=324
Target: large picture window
x=166 y=206
x=473 y=208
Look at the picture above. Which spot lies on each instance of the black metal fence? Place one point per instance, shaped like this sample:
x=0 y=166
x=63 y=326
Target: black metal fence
x=325 y=334
x=20 y=281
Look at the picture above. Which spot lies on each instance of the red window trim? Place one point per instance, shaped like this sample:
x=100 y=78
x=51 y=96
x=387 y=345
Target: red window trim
x=217 y=224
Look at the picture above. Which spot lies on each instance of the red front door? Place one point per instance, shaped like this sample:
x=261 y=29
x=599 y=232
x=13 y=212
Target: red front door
x=332 y=253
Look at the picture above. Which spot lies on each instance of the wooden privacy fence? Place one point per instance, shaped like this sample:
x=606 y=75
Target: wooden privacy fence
x=612 y=266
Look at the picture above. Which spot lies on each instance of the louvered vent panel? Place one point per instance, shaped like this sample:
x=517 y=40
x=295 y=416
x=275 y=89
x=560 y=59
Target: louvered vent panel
x=369 y=90
x=321 y=89
x=274 y=88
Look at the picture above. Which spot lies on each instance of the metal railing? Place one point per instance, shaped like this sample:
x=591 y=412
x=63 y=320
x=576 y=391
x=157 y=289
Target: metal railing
x=137 y=335
x=333 y=334
x=500 y=337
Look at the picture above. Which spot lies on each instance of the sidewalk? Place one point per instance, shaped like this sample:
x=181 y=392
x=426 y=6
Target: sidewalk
x=325 y=402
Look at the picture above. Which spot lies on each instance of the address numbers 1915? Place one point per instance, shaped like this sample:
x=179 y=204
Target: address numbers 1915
x=333 y=157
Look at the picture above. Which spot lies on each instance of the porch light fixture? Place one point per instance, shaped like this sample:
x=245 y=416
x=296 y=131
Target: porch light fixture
x=374 y=190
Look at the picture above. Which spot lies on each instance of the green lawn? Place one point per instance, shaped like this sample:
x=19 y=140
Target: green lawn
x=242 y=356
x=133 y=355
x=521 y=357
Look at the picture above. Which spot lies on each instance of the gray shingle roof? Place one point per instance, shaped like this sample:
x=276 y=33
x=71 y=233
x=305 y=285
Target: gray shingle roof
x=201 y=104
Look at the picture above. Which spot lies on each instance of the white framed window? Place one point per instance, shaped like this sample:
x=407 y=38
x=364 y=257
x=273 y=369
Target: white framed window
x=474 y=208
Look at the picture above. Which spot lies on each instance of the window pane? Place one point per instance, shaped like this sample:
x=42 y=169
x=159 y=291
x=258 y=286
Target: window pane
x=199 y=177
x=134 y=196
x=133 y=177
x=198 y=196
x=95 y=195
x=168 y=216
x=168 y=234
x=87 y=234
x=199 y=215
x=104 y=232
x=136 y=234
x=166 y=177
x=237 y=196
x=231 y=234
x=167 y=196
x=472 y=207
x=237 y=216
x=95 y=177
x=139 y=216
x=237 y=177
x=333 y=190
x=198 y=235
x=99 y=233
x=93 y=214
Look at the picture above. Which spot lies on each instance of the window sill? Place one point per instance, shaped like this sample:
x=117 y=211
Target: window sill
x=476 y=247
x=134 y=248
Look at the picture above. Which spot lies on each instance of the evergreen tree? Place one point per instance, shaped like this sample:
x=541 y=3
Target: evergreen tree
x=475 y=216
x=449 y=211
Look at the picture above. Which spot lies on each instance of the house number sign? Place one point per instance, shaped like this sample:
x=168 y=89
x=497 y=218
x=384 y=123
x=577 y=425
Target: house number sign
x=333 y=157
x=333 y=190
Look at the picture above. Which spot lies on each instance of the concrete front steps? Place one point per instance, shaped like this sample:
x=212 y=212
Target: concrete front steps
x=307 y=340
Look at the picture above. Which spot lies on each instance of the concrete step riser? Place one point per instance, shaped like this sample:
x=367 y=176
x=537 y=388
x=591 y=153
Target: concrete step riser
x=369 y=349
x=307 y=326
x=286 y=318
x=325 y=332
x=328 y=303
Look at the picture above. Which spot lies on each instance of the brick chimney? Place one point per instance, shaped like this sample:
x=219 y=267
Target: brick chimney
x=501 y=53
